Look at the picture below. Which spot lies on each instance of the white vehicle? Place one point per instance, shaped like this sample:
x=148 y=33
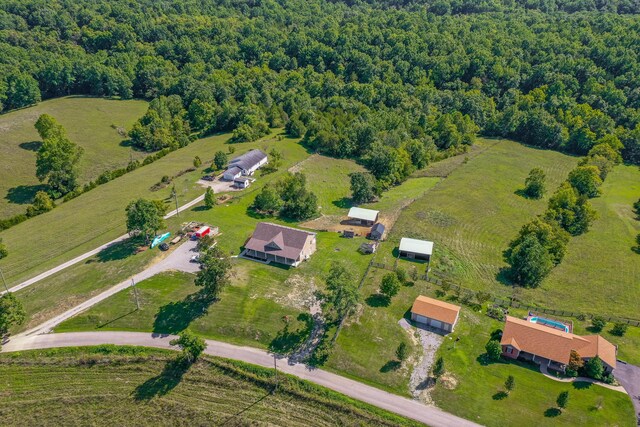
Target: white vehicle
x=195 y=258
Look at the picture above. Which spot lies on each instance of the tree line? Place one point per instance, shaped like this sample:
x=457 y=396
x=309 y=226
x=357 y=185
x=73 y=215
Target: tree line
x=389 y=82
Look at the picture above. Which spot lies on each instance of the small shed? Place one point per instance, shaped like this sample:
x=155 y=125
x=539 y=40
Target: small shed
x=435 y=313
x=363 y=216
x=369 y=247
x=416 y=249
x=377 y=231
x=349 y=234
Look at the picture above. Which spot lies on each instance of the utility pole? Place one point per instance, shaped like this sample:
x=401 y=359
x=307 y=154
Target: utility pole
x=4 y=281
x=175 y=196
x=135 y=294
x=275 y=367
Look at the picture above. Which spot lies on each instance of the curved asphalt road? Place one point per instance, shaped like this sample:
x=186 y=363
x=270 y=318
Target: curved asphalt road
x=402 y=406
x=91 y=253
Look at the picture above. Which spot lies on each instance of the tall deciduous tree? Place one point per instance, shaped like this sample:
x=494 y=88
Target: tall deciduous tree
x=341 y=297
x=534 y=185
x=191 y=345
x=363 y=187
x=57 y=159
x=209 y=198
x=144 y=217
x=390 y=285
x=11 y=312
x=214 y=272
x=267 y=201
x=530 y=262
x=220 y=159
x=586 y=180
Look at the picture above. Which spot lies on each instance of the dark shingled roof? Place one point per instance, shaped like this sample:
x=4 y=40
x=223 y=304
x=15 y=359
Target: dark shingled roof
x=248 y=160
x=234 y=170
x=278 y=240
x=379 y=228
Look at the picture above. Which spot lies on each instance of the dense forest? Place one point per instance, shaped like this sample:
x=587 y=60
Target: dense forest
x=391 y=83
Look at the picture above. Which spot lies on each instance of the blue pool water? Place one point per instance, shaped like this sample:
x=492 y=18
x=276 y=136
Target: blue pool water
x=552 y=323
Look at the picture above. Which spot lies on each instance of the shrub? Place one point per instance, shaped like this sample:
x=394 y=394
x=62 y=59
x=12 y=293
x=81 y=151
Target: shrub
x=594 y=368
x=402 y=352
x=598 y=323
x=563 y=399
x=619 y=329
x=438 y=368
x=494 y=350
x=496 y=313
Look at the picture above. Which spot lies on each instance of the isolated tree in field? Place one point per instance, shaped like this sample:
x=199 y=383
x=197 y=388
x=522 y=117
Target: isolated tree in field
x=510 y=383
x=144 y=217
x=191 y=345
x=586 y=180
x=594 y=368
x=534 y=184
x=402 y=351
x=11 y=312
x=530 y=262
x=494 y=350
x=438 y=368
x=390 y=285
x=363 y=187
x=214 y=272
x=341 y=297
x=598 y=323
x=4 y=252
x=563 y=399
x=209 y=198
x=619 y=329
x=41 y=203
x=197 y=162
x=575 y=363
x=57 y=159
x=267 y=201
x=220 y=160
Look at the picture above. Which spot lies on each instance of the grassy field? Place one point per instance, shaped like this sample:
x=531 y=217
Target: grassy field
x=600 y=266
x=72 y=228
x=110 y=385
x=473 y=387
x=330 y=182
x=90 y=122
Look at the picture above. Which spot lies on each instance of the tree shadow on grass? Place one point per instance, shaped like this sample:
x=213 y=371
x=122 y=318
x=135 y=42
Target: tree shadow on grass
x=501 y=395
x=391 y=365
x=31 y=145
x=503 y=276
x=120 y=250
x=176 y=316
x=377 y=300
x=164 y=382
x=200 y=208
x=24 y=194
x=343 y=203
x=552 y=412
x=287 y=341
x=581 y=385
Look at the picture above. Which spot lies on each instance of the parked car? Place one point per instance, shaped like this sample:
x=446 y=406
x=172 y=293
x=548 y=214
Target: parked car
x=208 y=177
x=164 y=247
x=195 y=258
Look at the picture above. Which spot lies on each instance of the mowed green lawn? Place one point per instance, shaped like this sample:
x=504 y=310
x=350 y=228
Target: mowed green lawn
x=90 y=122
x=137 y=386
x=532 y=402
x=98 y=216
x=329 y=179
x=601 y=272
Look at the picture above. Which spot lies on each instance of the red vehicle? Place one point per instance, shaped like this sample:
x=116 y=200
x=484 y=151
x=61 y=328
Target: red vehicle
x=203 y=231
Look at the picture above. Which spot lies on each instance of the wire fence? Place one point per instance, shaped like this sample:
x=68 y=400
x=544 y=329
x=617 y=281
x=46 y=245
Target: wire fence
x=464 y=294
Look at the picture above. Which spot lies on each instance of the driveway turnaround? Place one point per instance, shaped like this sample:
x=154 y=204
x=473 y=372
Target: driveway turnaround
x=405 y=407
x=92 y=252
x=178 y=259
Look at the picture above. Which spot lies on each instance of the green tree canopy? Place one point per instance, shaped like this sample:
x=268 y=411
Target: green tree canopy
x=341 y=297
x=530 y=262
x=12 y=312
x=363 y=187
x=144 y=217
x=534 y=185
x=214 y=272
x=191 y=345
x=586 y=180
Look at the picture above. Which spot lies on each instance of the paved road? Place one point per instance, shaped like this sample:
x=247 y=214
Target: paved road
x=91 y=253
x=406 y=407
x=178 y=259
x=629 y=376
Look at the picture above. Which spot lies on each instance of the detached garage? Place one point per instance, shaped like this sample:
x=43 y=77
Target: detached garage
x=435 y=313
x=416 y=249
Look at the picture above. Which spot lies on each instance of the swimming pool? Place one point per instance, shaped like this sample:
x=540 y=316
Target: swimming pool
x=551 y=323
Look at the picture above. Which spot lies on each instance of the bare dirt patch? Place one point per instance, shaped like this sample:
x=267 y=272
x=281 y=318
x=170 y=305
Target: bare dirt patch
x=300 y=165
x=301 y=295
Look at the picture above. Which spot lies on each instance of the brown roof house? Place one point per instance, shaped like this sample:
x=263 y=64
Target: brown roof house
x=548 y=345
x=435 y=313
x=280 y=244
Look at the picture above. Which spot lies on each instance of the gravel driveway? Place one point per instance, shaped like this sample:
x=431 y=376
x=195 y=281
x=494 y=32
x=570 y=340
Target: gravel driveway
x=629 y=376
